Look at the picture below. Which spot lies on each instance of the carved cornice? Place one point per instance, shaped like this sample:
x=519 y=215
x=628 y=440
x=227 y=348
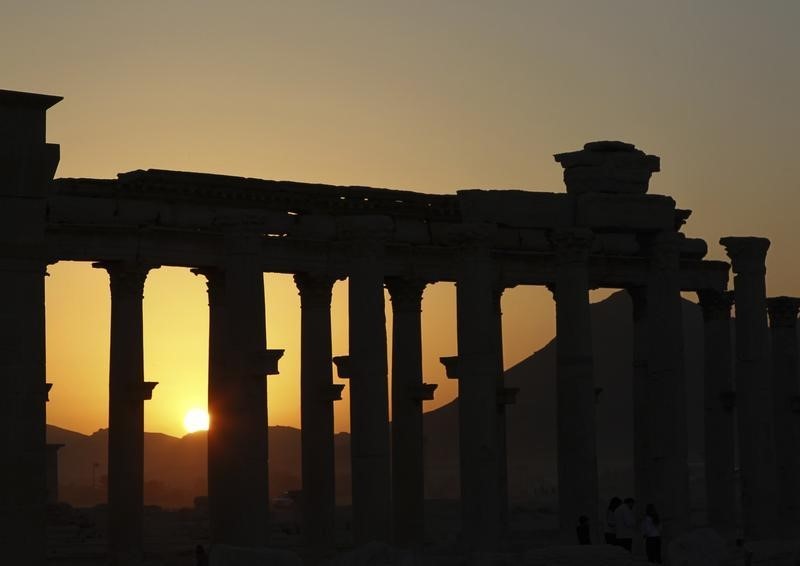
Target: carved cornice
x=783 y=311
x=716 y=305
x=405 y=293
x=748 y=254
x=315 y=290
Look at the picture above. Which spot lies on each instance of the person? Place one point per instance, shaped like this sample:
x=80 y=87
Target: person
x=651 y=529
x=611 y=529
x=583 y=530
x=626 y=524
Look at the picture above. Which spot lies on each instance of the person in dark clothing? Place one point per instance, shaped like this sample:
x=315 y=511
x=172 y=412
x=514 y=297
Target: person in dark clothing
x=583 y=530
x=651 y=529
x=611 y=525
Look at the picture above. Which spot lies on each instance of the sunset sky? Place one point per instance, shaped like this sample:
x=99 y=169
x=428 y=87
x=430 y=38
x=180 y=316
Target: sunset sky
x=426 y=96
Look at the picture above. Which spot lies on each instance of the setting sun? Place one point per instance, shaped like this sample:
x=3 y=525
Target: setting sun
x=195 y=419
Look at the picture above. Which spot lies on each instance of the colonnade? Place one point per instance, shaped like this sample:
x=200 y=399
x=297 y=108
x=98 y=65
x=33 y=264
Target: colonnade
x=751 y=406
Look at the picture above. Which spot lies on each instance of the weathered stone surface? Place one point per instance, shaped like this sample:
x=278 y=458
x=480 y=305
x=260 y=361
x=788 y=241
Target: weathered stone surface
x=625 y=212
x=515 y=208
x=608 y=167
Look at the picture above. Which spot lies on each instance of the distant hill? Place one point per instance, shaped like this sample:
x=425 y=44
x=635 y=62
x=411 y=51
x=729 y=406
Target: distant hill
x=531 y=422
x=175 y=469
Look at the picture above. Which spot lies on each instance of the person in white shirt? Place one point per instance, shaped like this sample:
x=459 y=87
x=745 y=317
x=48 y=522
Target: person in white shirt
x=651 y=529
x=611 y=524
x=626 y=524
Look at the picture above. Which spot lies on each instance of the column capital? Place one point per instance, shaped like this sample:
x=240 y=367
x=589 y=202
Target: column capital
x=406 y=293
x=315 y=289
x=215 y=282
x=572 y=245
x=451 y=366
x=748 y=254
x=343 y=366
x=126 y=277
x=716 y=305
x=783 y=311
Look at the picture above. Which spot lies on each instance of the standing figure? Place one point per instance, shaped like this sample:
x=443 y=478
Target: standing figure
x=651 y=529
x=626 y=524
x=611 y=524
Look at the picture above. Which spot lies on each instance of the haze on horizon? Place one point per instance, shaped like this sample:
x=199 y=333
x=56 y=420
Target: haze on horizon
x=431 y=97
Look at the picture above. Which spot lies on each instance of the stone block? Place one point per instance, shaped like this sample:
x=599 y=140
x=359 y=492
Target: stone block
x=625 y=212
x=515 y=208
x=314 y=227
x=411 y=231
x=81 y=210
x=608 y=167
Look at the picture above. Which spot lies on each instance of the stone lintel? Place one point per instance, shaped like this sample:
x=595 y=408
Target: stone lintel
x=343 y=366
x=450 y=364
x=783 y=311
x=423 y=391
x=364 y=227
x=748 y=253
x=572 y=245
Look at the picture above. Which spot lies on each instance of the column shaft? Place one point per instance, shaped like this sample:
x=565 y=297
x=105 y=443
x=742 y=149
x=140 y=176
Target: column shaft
x=408 y=475
x=241 y=407
x=369 y=398
x=502 y=403
x=753 y=387
x=577 y=448
x=666 y=389
x=720 y=422
x=316 y=418
x=786 y=393
x=127 y=393
x=22 y=410
x=641 y=418
x=477 y=399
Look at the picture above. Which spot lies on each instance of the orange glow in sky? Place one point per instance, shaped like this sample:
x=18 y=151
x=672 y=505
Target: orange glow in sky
x=426 y=96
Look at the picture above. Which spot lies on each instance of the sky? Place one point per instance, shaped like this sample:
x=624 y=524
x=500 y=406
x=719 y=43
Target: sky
x=426 y=96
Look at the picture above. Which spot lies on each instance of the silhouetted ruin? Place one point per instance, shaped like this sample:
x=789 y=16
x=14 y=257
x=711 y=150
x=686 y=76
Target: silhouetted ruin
x=605 y=231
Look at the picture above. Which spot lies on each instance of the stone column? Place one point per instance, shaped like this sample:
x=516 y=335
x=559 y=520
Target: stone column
x=720 y=417
x=127 y=391
x=506 y=396
x=753 y=387
x=239 y=412
x=220 y=503
x=408 y=393
x=786 y=395
x=666 y=389
x=477 y=394
x=577 y=444
x=28 y=165
x=641 y=418
x=317 y=394
x=52 y=472
x=369 y=389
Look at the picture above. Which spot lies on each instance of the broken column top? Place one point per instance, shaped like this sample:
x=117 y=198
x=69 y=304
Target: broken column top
x=608 y=167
